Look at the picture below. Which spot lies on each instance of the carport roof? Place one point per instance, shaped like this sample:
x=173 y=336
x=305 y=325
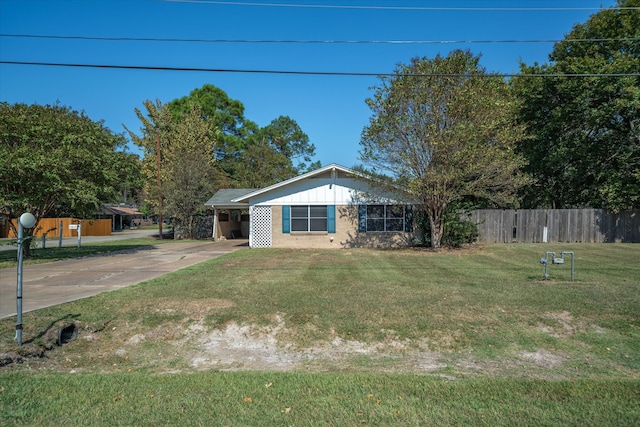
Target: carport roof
x=121 y=210
x=223 y=198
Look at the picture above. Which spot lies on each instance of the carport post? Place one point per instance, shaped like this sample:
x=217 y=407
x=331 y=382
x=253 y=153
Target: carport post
x=215 y=224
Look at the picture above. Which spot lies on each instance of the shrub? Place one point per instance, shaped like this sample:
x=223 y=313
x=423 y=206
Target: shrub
x=458 y=230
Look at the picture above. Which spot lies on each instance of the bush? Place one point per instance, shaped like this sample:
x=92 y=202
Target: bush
x=457 y=230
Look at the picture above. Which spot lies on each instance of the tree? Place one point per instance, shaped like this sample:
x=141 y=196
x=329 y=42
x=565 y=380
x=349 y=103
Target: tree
x=584 y=144
x=154 y=141
x=273 y=154
x=243 y=143
x=443 y=128
x=285 y=137
x=178 y=162
x=55 y=159
x=260 y=166
x=225 y=113
x=188 y=172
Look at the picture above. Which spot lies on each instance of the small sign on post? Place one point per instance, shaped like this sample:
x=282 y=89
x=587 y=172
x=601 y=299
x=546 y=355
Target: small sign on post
x=77 y=227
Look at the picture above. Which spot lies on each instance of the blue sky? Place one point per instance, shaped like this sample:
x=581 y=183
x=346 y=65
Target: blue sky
x=331 y=109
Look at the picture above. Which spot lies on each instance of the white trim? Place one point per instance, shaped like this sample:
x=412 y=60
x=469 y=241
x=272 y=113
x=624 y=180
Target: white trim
x=332 y=167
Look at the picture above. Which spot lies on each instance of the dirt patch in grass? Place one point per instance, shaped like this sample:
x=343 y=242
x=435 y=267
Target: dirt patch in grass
x=252 y=347
x=194 y=345
x=187 y=338
x=542 y=358
x=564 y=325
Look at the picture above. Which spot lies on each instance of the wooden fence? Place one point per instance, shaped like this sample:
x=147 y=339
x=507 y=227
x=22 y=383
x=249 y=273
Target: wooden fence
x=557 y=225
x=51 y=226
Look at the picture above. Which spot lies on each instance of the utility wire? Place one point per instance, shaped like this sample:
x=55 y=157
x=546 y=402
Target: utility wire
x=413 y=8
x=306 y=73
x=402 y=42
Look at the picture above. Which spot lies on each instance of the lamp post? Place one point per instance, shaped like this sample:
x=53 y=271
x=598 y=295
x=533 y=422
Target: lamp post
x=26 y=220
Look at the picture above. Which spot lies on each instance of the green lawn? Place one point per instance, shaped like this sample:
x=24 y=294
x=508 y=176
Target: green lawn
x=52 y=252
x=344 y=337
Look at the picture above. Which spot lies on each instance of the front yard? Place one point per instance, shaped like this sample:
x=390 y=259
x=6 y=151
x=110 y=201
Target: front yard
x=283 y=337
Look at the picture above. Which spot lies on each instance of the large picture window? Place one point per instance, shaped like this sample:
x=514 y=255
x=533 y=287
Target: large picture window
x=383 y=218
x=309 y=218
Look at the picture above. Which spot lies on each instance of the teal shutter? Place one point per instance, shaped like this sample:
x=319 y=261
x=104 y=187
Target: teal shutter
x=286 y=219
x=331 y=218
x=362 y=218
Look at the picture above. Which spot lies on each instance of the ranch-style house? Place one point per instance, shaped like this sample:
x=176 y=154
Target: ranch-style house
x=331 y=207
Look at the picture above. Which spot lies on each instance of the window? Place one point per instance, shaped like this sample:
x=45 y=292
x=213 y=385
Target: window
x=383 y=218
x=309 y=218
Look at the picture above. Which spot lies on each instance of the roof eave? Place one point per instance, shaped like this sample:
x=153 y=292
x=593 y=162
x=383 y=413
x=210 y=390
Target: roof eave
x=247 y=197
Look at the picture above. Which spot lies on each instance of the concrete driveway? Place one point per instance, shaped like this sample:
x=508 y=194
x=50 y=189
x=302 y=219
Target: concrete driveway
x=53 y=283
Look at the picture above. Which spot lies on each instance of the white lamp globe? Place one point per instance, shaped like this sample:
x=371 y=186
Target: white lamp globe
x=27 y=220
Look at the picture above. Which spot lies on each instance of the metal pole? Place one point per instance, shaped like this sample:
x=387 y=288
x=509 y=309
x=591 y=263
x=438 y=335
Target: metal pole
x=572 y=262
x=546 y=267
x=158 y=159
x=19 y=290
x=60 y=235
x=26 y=220
x=572 y=256
x=79 y=233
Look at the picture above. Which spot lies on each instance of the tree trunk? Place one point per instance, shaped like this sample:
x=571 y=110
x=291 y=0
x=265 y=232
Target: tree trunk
x=435 y=213
x=26 y=247
x=436 y=223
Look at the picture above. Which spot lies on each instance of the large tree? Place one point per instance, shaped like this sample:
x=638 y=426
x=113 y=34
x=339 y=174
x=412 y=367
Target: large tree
x=443 y=127
x=178 y=162
x=57 y=160
x=273 y=154
x=225 y=114
x=584 y=145
x=156 y=123
x=281 y=144
x=188 y=171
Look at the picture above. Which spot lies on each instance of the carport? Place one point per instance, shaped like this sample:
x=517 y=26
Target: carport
x=230 y=219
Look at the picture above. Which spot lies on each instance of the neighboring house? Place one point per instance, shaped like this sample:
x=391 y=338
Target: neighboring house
x=331 y=207
x=122 y=216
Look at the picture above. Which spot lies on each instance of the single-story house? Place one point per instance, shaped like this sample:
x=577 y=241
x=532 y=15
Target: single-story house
x=122 y=216
x=331 y=207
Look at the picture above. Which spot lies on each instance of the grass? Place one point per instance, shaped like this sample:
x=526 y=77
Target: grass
x=332 y=399
x=387 y=337
x=8 y=258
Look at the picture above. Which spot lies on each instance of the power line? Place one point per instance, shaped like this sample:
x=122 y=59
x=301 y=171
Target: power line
x=306 y=73
x=257 y=41
x=410 y=8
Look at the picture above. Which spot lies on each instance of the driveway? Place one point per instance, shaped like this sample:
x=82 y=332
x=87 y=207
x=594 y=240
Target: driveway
x=44 y=285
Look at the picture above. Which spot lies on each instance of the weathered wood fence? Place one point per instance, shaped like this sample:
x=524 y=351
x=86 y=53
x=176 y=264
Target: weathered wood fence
x=557 y=225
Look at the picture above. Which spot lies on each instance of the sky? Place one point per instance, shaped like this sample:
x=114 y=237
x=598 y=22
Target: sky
x=314 y=61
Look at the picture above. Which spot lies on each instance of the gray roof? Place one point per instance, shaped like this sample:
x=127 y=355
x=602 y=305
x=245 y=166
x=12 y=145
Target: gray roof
x=223 y=198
